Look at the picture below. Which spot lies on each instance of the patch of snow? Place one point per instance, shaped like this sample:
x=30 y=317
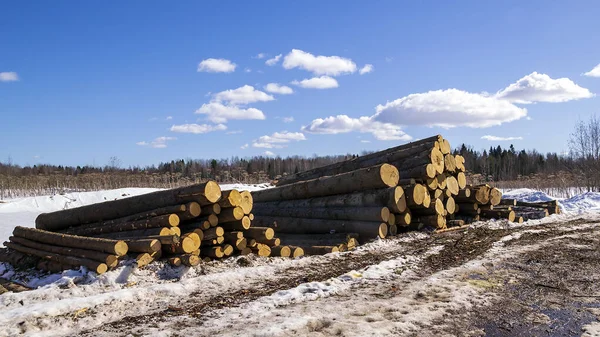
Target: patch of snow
x=526 y=195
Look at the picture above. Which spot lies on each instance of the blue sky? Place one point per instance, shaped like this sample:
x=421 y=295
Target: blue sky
x=82 y=82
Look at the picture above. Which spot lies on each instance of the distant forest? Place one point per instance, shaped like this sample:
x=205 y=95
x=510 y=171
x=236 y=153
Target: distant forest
x=488 y=165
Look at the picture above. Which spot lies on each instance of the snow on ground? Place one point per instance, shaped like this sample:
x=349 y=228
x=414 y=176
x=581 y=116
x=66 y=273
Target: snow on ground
x=582 y=203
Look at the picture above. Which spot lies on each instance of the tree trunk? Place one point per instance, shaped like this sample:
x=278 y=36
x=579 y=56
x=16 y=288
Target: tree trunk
x=380 y=214
x=403 y=219
x=366 y=229
x=283 y=251
x=95 y=266
x=189 y=260
x=239 y=225
x=214 y=252
x=211 y=209
x=167 y=220
x=259 y=233
x=379 y=176
x=231 y=214
x=247 y=202
x=320 y=250
x=115 y=247
x=204 y=194
x=188 y=243
x=230 y=198
x=491 y=214
x=192 y=211
x=110 y=260
x=143 y=245
x=212 y=233
x=158 y=231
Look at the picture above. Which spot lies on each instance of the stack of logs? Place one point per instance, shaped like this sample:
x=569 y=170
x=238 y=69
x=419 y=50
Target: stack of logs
x=183 y=225
x=524 y=211
x=416 y=185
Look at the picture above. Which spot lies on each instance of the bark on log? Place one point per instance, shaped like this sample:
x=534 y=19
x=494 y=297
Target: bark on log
x=192 y=211
x=262 y=250
x=234 y=235
x=175 y=261
x=204 y=194
x=230 y=198
x=320 y=250
x=159 y=231
x=189 y=260
x=415 y=195
x=259 y=233
x=143 y=245
x=95 y=266
x=366 y=229
x=17 y=259
x=188 y=243
x=425 y=171
x=436 y=208
x=392 y=231
x=391 y=219
x=131 y=218
x=238 y=243
x=455 y=223
x=283 y=251
x=380 y=176
x=231 y=214
x=273 y=242
x=386 y=156
x=215 y=252
x=167 y=220
x=213 y=233
x=110 y=260
x=495 y=196
x=436 y=221
x=380 y=214
x=508 y=202
x=228 y=250
x=239 y=225
x=251 y=216
x=246 y=251
x=145 y=259
x=491 y=214
x=211 y=209
x=118 y=248
x=403 y=219
x=212 y=219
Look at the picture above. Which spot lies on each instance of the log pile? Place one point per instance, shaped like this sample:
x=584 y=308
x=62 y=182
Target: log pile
x=182 y=226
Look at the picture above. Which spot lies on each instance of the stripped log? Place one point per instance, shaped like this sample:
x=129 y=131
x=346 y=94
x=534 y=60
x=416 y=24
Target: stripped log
x=96 y=266
x=380 y=214
x=115 y=247
x=366 y=229
x=110 y=260
x=392 y=198
x=204 y=194
x=380 y=176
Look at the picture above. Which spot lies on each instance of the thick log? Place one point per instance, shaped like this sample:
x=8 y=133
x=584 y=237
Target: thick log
x=230 y=198
x=188 y=243
x=392 y=198
x=215 y=252
x=415 y=194
x=238 y=243
x=296 y=251
x=441 y=180
x=366 y=229
x=213 y=242
x=460 y=163
x=231 y=214
x=450 y=205
x=391 y=219
x=403 y=219
x=247 y=202
x=259 y=233
x=145 y=259
x=192 y=211
x=212 y=219
x=110 y=260
x=425 y=171
x=482 y=194
x=387 y=156
x=491 y=214
x=450 y=163
x=435 y=208
x=204 y=194
x=452 y=185
x=213 y=233
x=17 y=259
x=177 y=209
x=461 y=178
x=495 y=196
x=445 y=146
x=234 y=235
x=283 y=251
x=143 y=245
x=228 y=250
x=189 y=260
x=380 y=214
x=239 y=225
x=273 y=242
x=436 y=221
x=211 y=209
x=115 y=247
x=380 y=176
x=426 y=201
x=262 y=250
x=95 y=266
x=437 y=194
x=167 y=220
x=392 y=231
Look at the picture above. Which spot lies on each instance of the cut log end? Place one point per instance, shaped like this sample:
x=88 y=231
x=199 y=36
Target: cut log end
x=212 y=192
x=389 y=175
x=383 y=230
x=173 y=220
x=120 y=248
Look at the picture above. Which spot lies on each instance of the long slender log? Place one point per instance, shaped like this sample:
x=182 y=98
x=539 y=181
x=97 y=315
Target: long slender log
x=214 y=252
x=163 y=239
x=273 y=242
x=392 y=198
x=247 y=202
x=115 y=247
x=177 y=209
x=96 y=266
x=204 y=194
x=110 y=260
x=234 y=235
x=386 y=156
x=403 y=219
x=435 y=208
x=380 y=176
x=231 y=214
x=322 y=238
x=230 y=198
x=144 y=245
x=192 y=210
x=380 y=214
x=491 y=214
x=213 y=232
x=167 y=220
x=238 y=243
x=259 y=233
x=159 y=231
x=495 y=196
x=366 y=229
x=189 y=260
x=283 y=251
x=238 y=225
x=320 y=250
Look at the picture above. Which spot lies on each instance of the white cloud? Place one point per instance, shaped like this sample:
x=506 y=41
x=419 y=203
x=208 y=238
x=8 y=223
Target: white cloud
x=278 y=140
x=9 y=76
x=216 y=66
x=344 y=124
x=233 y=132
x=245 y=146
x=365 y=141
x=242 y=95
x=169 y=118
x=323 y=82
x=537 y=87
x=288 y=119
x=449 y=108
x=218 y=113
x=157 y=143
x=496 y=138
x=273 y=61
x=269 y=154
x=197 y=128
x=366 y=69
x=319 y=65
x=260 y=56
x=277 y=88
x=594 y=72
x=247 y=70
